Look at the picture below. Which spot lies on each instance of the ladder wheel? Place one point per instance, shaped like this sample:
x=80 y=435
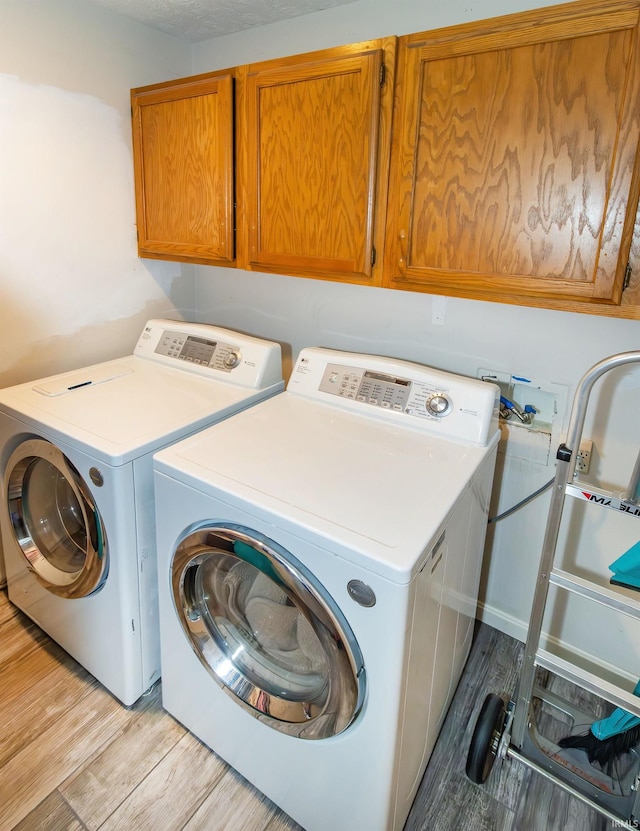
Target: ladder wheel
x=486 y=739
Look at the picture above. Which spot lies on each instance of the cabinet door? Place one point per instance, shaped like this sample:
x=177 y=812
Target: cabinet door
x=313 y=151
x=183 y=162
x=514 y=156
x=631 y=295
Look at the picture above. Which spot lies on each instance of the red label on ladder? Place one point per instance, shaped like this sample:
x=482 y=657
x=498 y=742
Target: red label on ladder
x=603 y=499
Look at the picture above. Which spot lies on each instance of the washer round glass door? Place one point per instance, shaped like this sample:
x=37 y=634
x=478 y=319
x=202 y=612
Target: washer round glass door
x=267 y=631
x=55 y=520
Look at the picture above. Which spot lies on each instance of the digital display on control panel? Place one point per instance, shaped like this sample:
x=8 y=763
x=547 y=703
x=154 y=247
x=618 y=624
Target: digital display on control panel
x=187 y=348
x=388 y=379
x=198 y=350
x=376 y=388
x=384 y=391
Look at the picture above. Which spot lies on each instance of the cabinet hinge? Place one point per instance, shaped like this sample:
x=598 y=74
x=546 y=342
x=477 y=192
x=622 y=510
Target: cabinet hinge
x=383 y=74
x=627 y=276
x=373 y=255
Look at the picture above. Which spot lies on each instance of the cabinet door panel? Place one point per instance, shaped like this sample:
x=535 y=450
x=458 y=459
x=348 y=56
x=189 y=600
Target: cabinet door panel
x=312 y=148
x=511 y=172
x=631 y=296
x=183 y=144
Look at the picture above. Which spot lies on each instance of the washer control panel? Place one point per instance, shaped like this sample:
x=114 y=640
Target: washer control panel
x=452 y=405
x=199 y=350
x=390 y=392
x=212 y=351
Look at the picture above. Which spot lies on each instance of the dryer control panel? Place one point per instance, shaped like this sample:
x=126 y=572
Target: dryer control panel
x=211 y=351
x=452 y=405
x=375 y=388
x=199 y=351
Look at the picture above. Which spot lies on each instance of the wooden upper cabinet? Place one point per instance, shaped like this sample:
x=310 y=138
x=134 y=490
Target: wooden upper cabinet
x=514 y=157
x=631 y=296
x=184 y=176
x=313 y=153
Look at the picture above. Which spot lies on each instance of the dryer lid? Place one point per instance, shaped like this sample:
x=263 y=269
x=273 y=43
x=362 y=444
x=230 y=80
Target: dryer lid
x=67 y=383
x=181 y=377
x=141 y=408
x=359 y=482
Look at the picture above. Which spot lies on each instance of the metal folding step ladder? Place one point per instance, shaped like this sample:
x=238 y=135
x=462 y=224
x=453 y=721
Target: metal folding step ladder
x=509 y=729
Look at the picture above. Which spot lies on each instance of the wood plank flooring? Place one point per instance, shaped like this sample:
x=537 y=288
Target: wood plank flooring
x=73 y=759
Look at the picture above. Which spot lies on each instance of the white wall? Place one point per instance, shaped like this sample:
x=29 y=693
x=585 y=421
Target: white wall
x=553 y=347
x=72 y=288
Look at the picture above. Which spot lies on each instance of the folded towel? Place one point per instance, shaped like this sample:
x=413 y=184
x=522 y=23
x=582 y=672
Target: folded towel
x=254 y=557
x=238 y=582
x=284 y=629
x=257 y=599
x=626 y=569
x=627 y=580
x=310 y=644
x=265 y=588
x=243 y=581
x=275 y=626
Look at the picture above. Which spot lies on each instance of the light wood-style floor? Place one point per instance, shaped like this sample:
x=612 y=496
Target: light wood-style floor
x=72 y=758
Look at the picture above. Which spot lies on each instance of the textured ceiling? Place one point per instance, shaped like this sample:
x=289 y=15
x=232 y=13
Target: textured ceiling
x=202 y=19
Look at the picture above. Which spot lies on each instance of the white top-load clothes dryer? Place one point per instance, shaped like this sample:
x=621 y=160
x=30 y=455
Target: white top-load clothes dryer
x=319 y=560
x=77 y=511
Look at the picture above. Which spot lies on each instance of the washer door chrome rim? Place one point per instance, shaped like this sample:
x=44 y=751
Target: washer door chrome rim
x=267 y=632
x=55 y=520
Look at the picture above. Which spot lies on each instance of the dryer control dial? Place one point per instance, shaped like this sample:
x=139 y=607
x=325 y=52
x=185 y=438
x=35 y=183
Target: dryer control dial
x=231 y=360
x=439 y=405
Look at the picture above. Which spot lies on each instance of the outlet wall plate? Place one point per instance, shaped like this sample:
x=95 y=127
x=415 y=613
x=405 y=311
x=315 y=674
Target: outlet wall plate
x=583 y=460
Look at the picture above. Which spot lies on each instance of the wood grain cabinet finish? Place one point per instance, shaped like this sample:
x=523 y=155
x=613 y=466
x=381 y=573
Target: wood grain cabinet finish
x=183 y=149
x=514 y=169
x=313 y=155
x=631 y=295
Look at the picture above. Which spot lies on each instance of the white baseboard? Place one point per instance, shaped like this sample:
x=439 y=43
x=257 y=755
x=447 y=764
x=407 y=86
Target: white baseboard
x=512 y=626
x=516 y=628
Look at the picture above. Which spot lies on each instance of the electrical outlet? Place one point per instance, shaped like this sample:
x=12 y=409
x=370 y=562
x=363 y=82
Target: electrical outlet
x=583 y=462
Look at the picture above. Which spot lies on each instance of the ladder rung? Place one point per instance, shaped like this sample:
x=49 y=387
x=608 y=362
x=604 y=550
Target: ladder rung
x=591 y=682
x=594 y=591
x=603 y=499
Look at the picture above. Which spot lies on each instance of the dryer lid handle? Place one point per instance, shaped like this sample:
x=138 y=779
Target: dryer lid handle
x=82 y=378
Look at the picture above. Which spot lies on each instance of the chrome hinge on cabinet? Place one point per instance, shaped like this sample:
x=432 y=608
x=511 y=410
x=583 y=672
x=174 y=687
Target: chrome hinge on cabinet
x=627 y=276
x=373 y=255
x=383 y=74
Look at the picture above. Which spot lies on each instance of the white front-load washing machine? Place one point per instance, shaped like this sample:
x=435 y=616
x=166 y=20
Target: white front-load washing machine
x=77 y=512
x=319 y=559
